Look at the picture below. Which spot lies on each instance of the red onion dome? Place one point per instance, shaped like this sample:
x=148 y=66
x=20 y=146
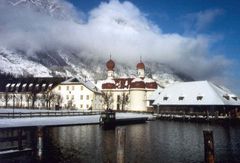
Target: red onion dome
x=137 y=83
x=140 y=65
x=109 y=84
x=110 y=65
x=150 y=83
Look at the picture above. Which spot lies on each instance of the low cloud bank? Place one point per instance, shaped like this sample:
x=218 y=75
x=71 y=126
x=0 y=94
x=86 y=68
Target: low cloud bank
x=116 y=28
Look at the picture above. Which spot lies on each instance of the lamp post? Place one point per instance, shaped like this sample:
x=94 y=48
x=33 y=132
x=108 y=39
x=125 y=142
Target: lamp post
x=158 y=108
x=13 y=104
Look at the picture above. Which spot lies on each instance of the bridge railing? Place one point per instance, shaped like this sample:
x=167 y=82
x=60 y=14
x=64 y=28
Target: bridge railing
x=45 y=114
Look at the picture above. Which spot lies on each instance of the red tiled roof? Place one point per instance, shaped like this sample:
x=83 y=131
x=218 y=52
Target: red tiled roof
x=127 y=83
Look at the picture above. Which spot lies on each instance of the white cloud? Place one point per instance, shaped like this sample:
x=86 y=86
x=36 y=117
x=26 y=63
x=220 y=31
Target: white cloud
x=201 y=20
x=119 y=28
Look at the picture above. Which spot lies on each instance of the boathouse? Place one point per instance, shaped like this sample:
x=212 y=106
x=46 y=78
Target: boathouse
x=197 y=97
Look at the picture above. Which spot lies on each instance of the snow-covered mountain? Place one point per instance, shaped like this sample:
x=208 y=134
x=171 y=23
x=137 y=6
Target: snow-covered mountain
x=59 y=63
x=56 y=8
x=64 y=61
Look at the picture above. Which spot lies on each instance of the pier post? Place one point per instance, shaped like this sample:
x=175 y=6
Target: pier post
x=120 y=142
x=39 y=143
x=20 y=145
x=208 y=146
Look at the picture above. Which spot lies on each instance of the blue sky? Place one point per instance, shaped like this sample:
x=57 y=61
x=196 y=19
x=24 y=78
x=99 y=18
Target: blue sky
x=218 y=20
x=170 y=15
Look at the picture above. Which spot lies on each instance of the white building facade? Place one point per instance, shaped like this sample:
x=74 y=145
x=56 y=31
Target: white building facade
x=74 y=93
x=79 y=94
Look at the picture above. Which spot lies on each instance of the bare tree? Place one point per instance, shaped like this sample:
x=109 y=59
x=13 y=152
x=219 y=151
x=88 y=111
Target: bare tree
x=21 y=100
x=107 y=99
x=28 y=98
x=7 y=96
x=123 y=100
x=50 y=98
x=58 y=99
x=55 y=99
x=34 y=98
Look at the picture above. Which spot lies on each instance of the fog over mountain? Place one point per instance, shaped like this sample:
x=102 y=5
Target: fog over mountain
x=60 y=40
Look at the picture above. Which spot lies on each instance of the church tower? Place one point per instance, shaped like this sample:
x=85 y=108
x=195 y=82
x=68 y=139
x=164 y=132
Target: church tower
x=110 y=68
x=141 y=69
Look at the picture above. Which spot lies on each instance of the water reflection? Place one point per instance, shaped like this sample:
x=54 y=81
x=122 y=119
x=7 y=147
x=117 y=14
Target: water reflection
x=156 y=141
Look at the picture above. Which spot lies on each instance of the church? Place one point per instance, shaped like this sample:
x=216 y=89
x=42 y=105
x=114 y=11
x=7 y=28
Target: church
x=128 y=93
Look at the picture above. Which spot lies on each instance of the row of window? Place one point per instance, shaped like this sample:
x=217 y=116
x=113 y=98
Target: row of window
x=18 y=96
x=199 y=98
x=68 y=88
x=181 y=98
x=81 y=97
x=81 y=106
x=74 y=105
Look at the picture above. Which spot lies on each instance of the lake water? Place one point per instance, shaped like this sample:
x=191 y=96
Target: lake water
x=155 y=141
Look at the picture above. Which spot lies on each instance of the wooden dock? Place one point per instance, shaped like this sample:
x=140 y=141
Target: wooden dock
x=197 y=118
x=109 y=121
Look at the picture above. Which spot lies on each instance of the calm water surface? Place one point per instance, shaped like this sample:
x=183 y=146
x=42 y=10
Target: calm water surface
x=155 y=141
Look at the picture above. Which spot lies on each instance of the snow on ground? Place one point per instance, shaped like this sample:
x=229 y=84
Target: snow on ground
x=49 y=121
x=132 y=115
x=54 y=121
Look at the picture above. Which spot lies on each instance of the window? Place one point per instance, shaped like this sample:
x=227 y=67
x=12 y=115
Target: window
x=226 y=97
x=59 y=88
x=81 y=106
x=24 y=87
x=72 y=87
x=67 y=97
x=199 y=98
x=72 y=97
x=87 y=97
x=180 y=98
x=67 y=87
x=87 y=106
x=81 y=97
x=165 y=98
x=81 y=87
x=235 y=98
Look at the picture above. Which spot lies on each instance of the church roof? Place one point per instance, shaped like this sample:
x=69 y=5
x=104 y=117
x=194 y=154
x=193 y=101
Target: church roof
x=88 y=84
x=196 y=93
x=123 y=83
x=29 y=84
x=140 y=65
x=110 y=64
x=127 y=83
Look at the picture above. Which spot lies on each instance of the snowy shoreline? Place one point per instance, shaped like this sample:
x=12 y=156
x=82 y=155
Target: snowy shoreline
x=58 y=121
